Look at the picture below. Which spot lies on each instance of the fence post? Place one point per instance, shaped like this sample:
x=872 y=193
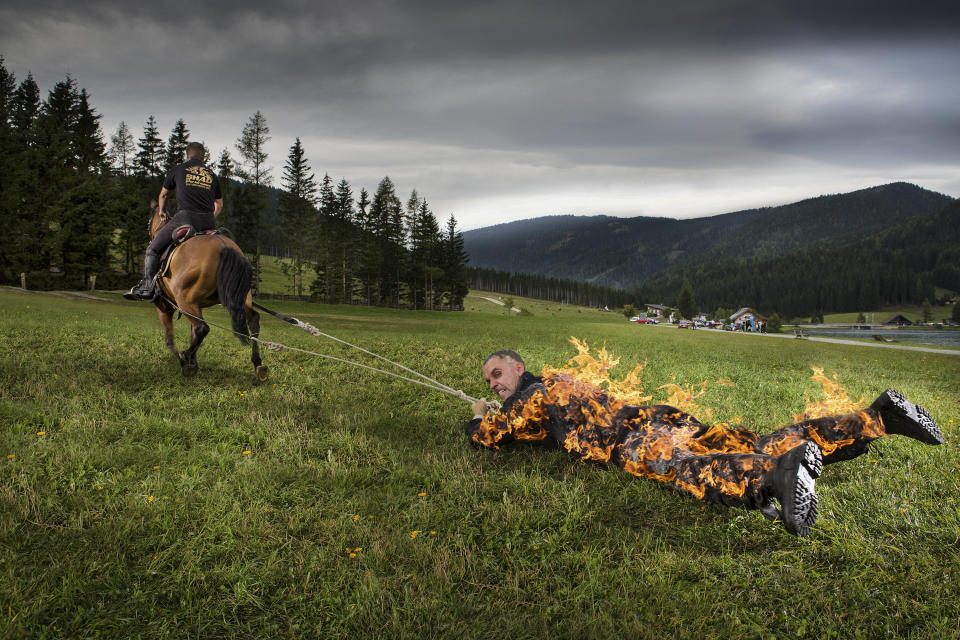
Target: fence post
x=93 y=282
x=23 y=280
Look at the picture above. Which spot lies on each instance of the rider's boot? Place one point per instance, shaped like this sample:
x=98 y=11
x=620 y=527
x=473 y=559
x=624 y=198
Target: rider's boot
x=144 y=289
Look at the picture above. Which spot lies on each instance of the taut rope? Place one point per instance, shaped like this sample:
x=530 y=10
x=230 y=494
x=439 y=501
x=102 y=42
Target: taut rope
x=426 y=381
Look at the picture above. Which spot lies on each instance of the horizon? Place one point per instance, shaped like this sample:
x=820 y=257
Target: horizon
x=710 y=215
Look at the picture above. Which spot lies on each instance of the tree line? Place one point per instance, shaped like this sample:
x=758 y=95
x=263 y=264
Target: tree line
x=74 y=207
x=548 y=288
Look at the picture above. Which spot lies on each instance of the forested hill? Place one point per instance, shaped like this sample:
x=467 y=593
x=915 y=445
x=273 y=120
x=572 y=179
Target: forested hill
x=902 y=264
x=626 y=252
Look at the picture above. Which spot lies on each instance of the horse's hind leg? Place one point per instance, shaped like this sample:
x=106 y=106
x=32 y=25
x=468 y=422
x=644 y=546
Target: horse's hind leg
x=165 y=311
x=253 y=322
x=199 y=331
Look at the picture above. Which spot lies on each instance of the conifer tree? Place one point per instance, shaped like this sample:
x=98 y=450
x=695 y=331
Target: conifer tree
x=121 y=150
x=251 y=200
x=296 y=210
x=148 y=158
x=176 y=145
x=453 y=285
x=685 y=303
x=341 y=258
x=87 y=136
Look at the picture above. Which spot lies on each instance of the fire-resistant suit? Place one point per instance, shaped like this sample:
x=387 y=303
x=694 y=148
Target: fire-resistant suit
x=723 y=464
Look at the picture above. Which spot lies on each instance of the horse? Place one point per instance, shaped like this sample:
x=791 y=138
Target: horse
x=203 y=271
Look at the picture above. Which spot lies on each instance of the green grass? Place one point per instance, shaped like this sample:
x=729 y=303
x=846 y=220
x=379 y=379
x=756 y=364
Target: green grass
x=139 y=512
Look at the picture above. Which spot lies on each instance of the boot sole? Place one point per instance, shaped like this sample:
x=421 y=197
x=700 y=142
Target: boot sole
x=800 y=502
x=911 y=420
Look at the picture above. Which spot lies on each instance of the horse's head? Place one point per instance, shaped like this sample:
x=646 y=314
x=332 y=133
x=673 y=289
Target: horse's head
x=157 y=218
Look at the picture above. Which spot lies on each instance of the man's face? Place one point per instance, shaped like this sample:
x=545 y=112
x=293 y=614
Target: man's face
x=503 y=375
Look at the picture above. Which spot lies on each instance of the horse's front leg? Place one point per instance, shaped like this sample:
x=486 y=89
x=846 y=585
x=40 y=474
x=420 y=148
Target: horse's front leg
x=165 y=312
x=198 y=331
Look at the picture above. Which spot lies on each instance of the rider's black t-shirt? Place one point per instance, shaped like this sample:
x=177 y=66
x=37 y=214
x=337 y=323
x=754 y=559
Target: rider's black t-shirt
x=197 y=187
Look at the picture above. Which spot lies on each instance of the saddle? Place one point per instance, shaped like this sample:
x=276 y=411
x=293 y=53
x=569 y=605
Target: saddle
x=180 y=235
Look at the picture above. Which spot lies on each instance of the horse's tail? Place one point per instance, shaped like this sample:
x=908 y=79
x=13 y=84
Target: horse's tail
x=233 y=284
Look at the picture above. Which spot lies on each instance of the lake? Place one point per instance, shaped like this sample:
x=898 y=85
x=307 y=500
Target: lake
x=935 y=337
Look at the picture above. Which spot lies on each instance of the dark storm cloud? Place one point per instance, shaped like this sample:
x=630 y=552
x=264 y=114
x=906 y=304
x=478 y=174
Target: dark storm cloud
x=656 y=102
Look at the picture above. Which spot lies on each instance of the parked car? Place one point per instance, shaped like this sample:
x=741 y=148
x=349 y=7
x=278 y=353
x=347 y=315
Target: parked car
x=684 y=324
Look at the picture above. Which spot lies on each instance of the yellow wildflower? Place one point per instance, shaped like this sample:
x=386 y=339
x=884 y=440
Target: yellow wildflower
x=41 y=433
x=421 y=494
x=150 y=499
x=247 y=452
x=414 y=534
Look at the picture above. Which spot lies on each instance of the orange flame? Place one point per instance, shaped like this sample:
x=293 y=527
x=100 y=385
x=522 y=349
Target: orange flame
x=595 y=370
x=835 y=401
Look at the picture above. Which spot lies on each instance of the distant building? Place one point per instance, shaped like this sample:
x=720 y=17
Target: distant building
x=747 y=319
x=659 y=310
x=898 y=320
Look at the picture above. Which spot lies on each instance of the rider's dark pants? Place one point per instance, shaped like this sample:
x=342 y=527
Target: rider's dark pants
x=199 y=221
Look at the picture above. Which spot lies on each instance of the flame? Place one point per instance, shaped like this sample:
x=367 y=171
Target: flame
x=835 y=401
x=683 y=398
x=595 y=370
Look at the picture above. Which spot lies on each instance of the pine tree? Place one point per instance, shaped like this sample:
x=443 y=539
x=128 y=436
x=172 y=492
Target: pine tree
x=381 y=257
x=252 y=200
x=88 y=137
x=225 y=173
x=121 y=150
x=453 y=285
x=25 y=107
x=342 y=258
x=22 y=193
x=10 y=153
x=147 y=161
x=252 y=146
x=296 y=210
x=176 y=145
x=685 y=303
x=425 y=244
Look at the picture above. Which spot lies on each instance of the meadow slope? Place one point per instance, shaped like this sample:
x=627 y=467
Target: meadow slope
x=338 y=503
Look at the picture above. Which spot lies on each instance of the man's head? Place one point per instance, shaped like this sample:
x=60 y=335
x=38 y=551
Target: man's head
x=194 y=151
x=502 y=370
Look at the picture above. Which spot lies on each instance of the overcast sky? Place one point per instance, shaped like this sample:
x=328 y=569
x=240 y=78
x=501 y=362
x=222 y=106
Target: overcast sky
x=504 y=109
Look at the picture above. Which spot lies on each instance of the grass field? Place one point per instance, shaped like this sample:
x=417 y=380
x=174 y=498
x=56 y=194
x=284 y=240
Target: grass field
x=333 y=502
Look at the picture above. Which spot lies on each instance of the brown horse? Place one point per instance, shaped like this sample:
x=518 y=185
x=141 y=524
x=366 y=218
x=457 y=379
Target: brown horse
x=204 y=271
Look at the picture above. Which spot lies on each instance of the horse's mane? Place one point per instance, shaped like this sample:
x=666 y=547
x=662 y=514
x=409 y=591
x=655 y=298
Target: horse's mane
x=169 y=206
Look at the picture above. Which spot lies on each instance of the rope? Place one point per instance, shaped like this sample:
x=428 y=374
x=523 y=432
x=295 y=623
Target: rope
x=276 y=346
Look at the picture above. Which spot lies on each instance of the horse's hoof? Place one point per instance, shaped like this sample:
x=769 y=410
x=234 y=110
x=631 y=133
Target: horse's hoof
x=188 y=370
x=262 y=372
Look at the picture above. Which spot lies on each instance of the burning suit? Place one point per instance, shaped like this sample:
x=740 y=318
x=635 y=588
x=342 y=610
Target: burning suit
x=718 y=463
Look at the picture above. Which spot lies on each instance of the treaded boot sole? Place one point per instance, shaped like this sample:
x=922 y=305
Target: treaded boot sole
x=902 y=417
x=798 y=499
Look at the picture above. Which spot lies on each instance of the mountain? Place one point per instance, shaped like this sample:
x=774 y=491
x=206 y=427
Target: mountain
x=630 y=252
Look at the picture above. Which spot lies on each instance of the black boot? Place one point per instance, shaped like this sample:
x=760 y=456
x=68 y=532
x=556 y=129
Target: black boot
x=902 y=417
x=144 y=289
x=793 y=485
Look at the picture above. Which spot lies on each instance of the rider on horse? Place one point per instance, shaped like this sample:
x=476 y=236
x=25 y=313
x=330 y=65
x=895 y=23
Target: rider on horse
x=199 y=201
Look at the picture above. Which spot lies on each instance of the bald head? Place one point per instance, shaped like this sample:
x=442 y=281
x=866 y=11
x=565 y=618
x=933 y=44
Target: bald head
x=502 y=371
